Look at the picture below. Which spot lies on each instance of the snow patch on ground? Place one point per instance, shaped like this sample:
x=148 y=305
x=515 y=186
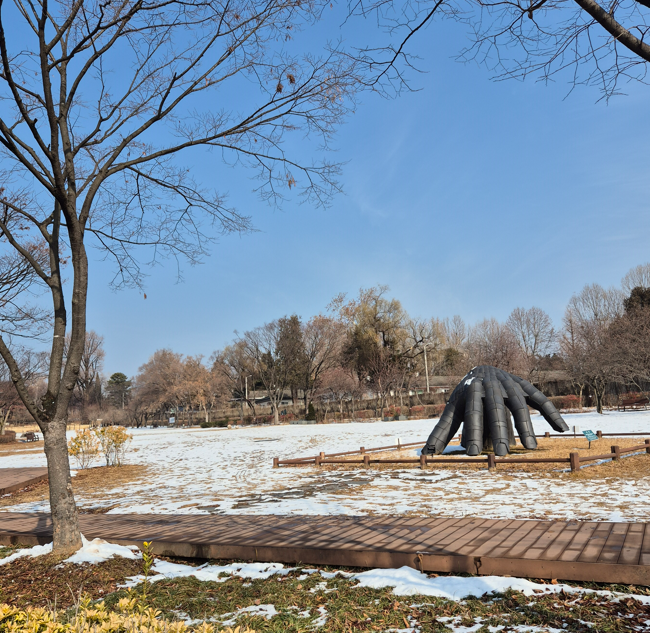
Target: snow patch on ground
x=33 y=552
x=95 y=551
x=266 y=611
x=98 y=551
x=162 y=570
x=407 y=581
x=220 y=471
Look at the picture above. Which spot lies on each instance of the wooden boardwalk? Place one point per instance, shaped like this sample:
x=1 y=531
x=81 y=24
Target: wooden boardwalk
x=12 y=479
x=569 y=550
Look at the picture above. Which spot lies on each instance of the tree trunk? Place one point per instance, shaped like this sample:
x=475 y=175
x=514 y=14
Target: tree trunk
x=4 y=418
x=580 y=395
x=276 y=414
x=62 y=506
x=599 y=392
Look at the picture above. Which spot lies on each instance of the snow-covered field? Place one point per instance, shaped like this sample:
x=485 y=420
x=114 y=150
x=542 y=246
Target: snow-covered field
x=230 y=471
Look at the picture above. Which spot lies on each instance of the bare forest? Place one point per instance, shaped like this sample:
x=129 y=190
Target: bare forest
x=365 y=356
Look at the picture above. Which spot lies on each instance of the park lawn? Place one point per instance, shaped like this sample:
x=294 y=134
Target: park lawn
x=304 y=600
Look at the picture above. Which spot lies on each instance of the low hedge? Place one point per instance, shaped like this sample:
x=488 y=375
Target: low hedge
x=8 y=437
x=565 y=402
x=94 y=617
x=215 y=423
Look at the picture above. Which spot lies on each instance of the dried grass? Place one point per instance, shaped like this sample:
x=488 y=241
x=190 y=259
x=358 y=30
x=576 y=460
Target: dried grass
x=92 y=481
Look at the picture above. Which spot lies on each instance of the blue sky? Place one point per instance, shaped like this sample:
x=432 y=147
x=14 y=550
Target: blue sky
x=467 y=197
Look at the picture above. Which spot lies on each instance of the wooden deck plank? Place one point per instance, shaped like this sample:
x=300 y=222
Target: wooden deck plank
x=606 y=552
x=614 y=543
x=631 y=550
x=13 y=479
x=595 y=544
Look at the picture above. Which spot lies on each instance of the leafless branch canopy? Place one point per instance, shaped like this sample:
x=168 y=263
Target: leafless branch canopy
x=594 y=43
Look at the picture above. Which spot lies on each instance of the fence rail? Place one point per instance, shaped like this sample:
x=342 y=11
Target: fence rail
x=574 y=459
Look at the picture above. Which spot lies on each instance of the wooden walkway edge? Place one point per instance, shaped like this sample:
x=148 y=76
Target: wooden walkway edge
x=12 y=479
x=567 y=550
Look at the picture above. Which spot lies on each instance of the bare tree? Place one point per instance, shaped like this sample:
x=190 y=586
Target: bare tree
x=339 y=384
x=238 y=370
x=159 y=382
x=33 y=366
x=100 y=101
x=261 y=347
x=455 y=361
x=492 y=343
x=535 y=335
x=322 y=339
x=586 y=343
x=90 y=366
x=424 y=347
x=201 y=387
x=593 y=43
x=629 y=338
x=637 y=277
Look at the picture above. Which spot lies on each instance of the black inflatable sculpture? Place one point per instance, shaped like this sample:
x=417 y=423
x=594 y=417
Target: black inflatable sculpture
x=480 y=401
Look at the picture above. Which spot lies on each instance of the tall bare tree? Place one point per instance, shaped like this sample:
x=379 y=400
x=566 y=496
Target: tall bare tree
x=33 y=366
x=601 y=43
x=202 y=388
x=100 y=104
x=238 y=370
x=261 y=346
x=90 y=366
x=159 y=382
x=323 y=339
x=586 y=342
x=637 y=277
x=492 y=343
x=535 y=335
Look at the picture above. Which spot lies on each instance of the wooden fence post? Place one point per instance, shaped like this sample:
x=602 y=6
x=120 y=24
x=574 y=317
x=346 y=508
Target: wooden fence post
x=647 y=446
x=276 y=462
x=362 y=449
x=366 y=460
x=423 y=461
x=321 y=455
x=616 y=452
x=317 y=460
x=575 y=461
x=491 y=461
x=599 y=434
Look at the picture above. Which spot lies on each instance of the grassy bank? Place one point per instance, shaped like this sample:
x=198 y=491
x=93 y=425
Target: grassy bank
x=305 y=600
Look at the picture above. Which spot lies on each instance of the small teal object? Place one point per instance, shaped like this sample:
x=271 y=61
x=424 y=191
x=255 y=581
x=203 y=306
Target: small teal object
x=590 y=435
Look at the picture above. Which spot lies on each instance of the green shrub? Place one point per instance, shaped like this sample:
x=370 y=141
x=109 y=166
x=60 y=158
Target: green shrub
x=311 y=412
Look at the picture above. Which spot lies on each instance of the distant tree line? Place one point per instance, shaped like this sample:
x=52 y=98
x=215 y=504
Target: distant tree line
x=366 y=351
x=368 y=347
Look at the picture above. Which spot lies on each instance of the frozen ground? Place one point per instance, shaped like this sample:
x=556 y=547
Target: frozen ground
x=230 y=471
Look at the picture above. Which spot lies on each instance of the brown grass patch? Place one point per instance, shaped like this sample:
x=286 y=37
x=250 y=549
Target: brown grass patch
x=19 y=448
x=44 y=581
x=90 y=481
x=635 y=467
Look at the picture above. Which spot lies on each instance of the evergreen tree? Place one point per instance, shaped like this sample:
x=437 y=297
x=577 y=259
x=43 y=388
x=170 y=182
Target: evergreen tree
x=119 y=388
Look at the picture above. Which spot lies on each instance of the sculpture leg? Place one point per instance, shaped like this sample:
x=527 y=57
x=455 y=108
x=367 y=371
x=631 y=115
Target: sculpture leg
x=473 y=422
x=516 y=402
x=512 y=442
x=448 y=425
x=495 y=417
x=536 y=399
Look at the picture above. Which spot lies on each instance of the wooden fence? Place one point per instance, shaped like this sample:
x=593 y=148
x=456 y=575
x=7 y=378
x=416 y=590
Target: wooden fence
x=574 y=460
